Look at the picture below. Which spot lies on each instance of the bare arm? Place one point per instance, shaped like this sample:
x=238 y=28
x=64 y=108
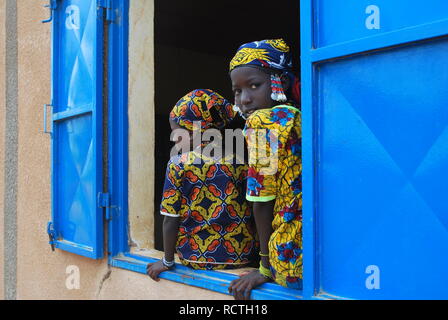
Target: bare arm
x=170 y=230
x=263 y=213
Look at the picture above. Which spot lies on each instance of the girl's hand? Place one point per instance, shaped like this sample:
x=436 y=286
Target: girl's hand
x=154 y=269
x=240 y=288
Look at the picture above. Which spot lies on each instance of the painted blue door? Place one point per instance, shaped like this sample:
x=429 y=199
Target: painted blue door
x=377 y=103
x=77 y=170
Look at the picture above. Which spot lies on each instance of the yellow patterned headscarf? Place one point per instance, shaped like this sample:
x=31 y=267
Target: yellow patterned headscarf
x=204 y=106
x=272 y=53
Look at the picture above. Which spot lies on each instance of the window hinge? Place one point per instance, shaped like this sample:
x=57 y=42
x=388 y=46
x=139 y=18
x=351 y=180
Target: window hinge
x=51 y=234
x=104 y=202
x=107 y=5
x=52 y=6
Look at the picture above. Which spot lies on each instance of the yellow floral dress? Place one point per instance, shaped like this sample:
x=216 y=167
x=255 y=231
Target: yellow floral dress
x=275 y=167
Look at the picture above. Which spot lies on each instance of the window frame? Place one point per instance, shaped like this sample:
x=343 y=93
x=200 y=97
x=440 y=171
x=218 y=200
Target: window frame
x=309 y=123
x=117 y=87
x=119 y=254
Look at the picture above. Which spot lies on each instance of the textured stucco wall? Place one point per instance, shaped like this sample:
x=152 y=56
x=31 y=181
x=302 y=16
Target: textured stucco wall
x=2 y=138
x=123 y=284
x=41 y=273
x=141 y=123
x=10 y=152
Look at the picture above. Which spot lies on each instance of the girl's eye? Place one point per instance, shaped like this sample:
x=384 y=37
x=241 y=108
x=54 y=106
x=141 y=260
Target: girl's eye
x=236 y=91
x=254 y=86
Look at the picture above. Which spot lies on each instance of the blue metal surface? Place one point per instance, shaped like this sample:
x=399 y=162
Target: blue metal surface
x=308 y=155
x=383 y=173
x=381 y=40
x=210 y=280
x=345 y=20
x=77 y=36
x=118 y=128
x=375 y=155
x=109 y=5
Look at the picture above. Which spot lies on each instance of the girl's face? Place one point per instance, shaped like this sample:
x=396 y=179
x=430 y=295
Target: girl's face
x=252 y=89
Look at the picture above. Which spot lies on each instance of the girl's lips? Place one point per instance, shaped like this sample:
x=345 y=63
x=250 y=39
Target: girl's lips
x=247 y=114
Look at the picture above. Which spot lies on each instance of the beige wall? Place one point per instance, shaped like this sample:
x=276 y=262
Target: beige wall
x=141 y=123
x=41 y=273
x=124 y=284
x=2 y=136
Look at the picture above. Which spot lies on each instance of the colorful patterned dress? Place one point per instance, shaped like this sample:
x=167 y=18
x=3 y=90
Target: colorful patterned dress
x=217 y=228
x=275 y=173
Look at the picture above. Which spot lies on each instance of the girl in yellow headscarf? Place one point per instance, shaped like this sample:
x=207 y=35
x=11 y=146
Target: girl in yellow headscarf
x=266 y=92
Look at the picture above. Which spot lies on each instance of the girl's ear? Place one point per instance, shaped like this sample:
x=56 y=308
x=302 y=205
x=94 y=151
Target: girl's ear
x=285 y=82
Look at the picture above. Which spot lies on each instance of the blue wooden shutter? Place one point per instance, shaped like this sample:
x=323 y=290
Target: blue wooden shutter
x=375 y=79
x=77 y=127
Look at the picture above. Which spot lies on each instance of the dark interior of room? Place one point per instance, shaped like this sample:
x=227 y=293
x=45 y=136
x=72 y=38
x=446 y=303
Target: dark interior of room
x=194 y=43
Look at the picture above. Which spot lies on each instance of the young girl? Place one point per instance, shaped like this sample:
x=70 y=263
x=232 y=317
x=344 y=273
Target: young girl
x=207 y=219
x=267 y=94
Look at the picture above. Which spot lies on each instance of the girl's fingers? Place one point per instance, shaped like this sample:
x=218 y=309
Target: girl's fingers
x=239 y=289
x=237 y=286
x=242 y=291
x=245 y=285
x=153 y=271
x=154 y=276
x=247 y=292
x=233 y=285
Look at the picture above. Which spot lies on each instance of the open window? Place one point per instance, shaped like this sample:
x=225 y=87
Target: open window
x=147 y=55
x=193 y=43
x=344 y=60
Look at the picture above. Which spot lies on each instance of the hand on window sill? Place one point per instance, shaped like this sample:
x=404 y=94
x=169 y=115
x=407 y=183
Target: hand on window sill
x=241 y=288
x=154 y=269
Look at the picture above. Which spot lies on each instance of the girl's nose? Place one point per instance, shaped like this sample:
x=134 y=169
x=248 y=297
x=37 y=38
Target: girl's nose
x=245 y=98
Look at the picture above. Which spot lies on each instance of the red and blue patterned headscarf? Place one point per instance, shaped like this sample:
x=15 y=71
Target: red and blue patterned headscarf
x=205 y=106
